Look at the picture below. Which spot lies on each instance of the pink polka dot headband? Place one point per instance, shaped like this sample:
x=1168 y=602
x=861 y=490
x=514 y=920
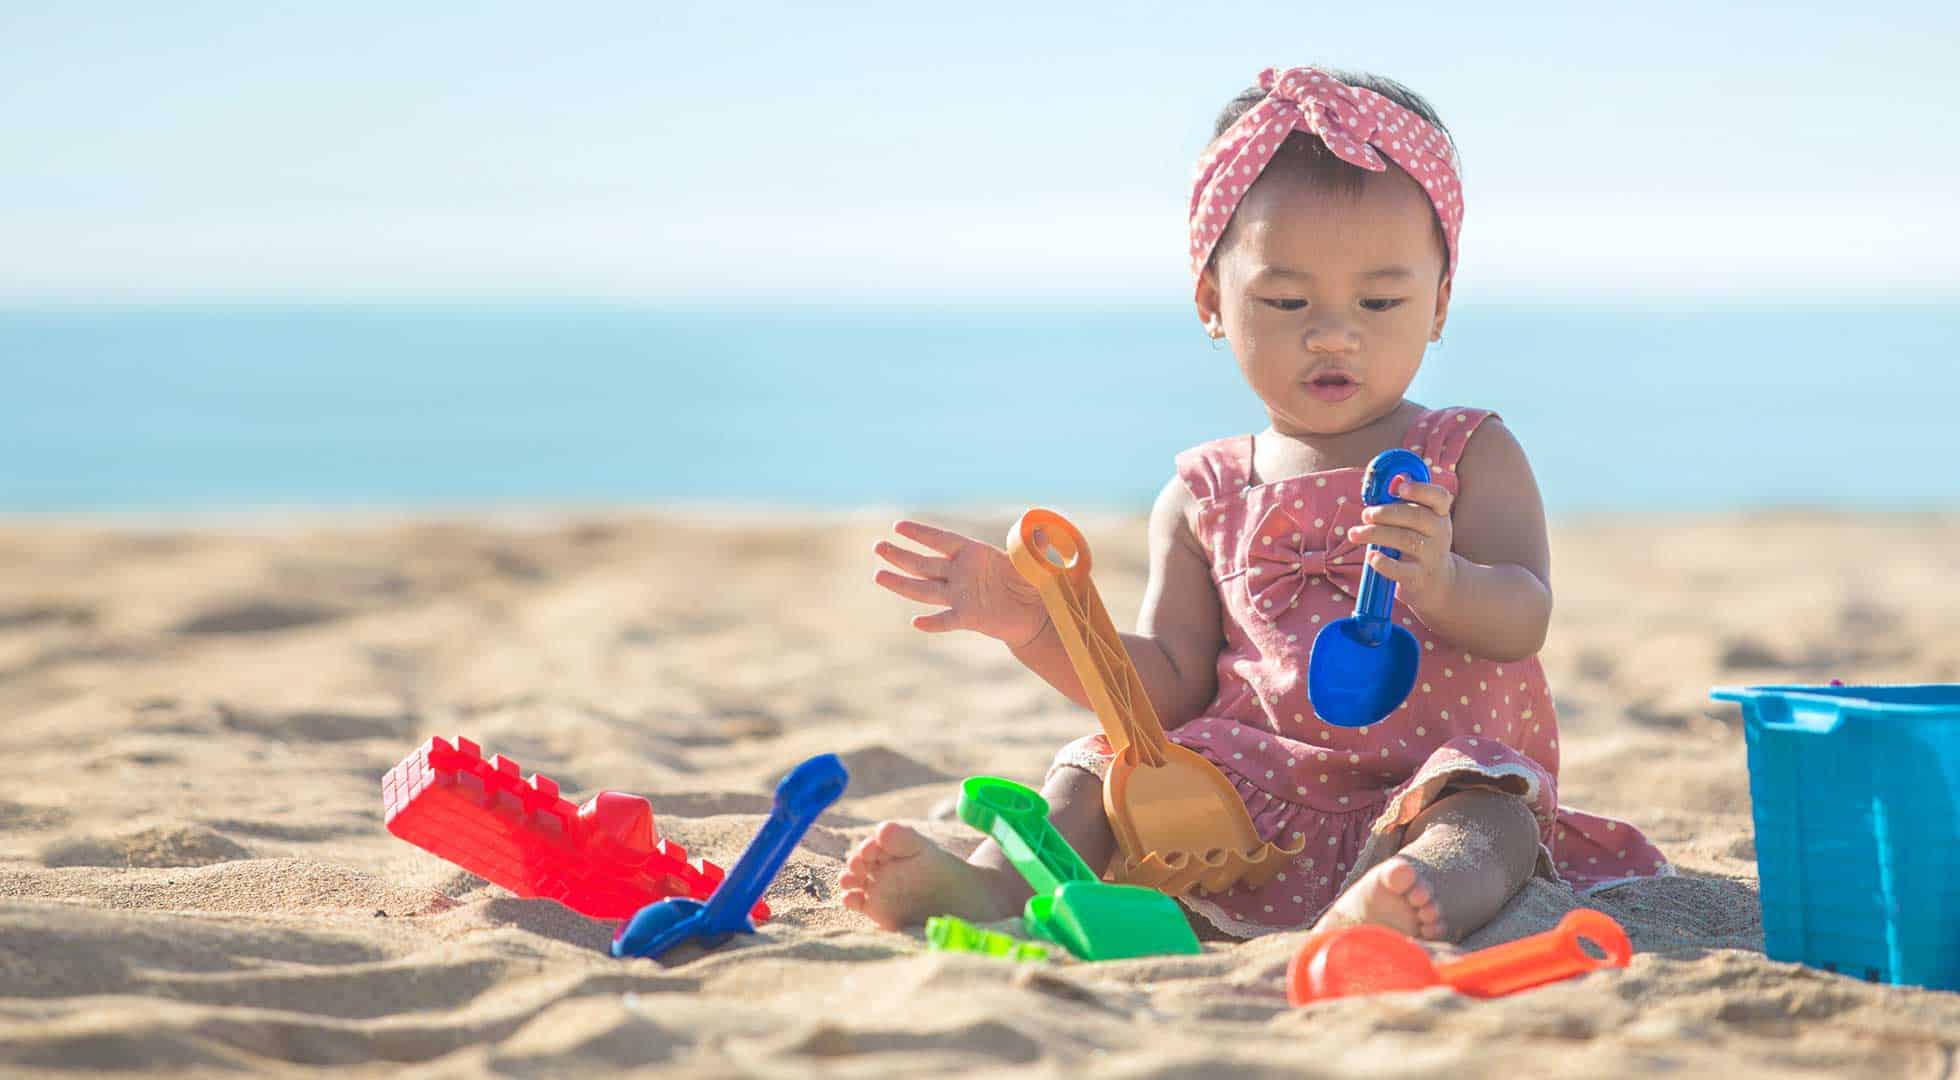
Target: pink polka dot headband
x=1359 y=126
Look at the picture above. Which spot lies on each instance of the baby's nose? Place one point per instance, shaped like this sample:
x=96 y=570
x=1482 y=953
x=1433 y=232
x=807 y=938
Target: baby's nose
x=1332 y=337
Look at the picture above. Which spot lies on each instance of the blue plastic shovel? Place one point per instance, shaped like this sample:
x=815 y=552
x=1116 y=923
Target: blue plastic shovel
x=1363 y=666
x=806 y=792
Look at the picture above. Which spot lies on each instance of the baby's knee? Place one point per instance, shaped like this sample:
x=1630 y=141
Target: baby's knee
x=1075 y=808
x=1496 y=821
x=1068 y=787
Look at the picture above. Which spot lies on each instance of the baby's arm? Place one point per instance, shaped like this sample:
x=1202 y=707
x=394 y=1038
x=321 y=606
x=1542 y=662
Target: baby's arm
x=1476 y=568
x=1179 y=629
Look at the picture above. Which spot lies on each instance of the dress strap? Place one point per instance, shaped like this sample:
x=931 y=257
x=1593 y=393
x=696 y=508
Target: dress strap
x=1440 y=435
x=1217 y=468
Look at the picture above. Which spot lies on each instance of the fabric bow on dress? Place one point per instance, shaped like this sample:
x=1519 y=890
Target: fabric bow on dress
x=1284 y=559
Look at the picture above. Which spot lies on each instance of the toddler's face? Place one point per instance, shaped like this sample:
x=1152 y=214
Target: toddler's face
x=1328 y=299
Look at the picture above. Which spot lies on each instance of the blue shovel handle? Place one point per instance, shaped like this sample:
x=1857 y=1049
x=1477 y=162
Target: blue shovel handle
x=805 y=793
x=1375 y=602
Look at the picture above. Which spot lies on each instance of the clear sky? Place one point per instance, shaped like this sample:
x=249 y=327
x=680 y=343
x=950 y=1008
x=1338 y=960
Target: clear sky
x=659 y=150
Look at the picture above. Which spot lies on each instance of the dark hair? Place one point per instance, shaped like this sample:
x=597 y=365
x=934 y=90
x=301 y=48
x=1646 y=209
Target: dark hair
x=1307 y=156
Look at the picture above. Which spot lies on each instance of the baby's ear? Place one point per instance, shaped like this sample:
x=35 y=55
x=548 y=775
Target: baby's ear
x=1207 y=301
x=1442 y=309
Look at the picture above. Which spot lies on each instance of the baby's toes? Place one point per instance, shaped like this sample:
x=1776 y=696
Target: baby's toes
x=1429 y=913
x=858 y=872
x=888 y=842
x=892 y=840
x=1418 y=893
x=870 y=852
x=1400 y=878
x=1404 y=879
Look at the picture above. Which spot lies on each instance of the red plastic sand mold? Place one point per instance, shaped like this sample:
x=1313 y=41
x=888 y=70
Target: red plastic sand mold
x=602 y=859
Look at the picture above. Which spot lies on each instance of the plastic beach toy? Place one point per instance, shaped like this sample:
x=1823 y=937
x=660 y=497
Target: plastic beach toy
x=1370 y=959
x=806 y=792
x=1363 y=666
x=602 y=859
x=950 y=933
x=1855 y=792
x=1179 y=822
x=1093 y=919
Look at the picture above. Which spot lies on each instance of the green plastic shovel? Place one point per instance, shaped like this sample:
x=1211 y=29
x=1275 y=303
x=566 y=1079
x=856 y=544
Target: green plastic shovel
x=1095 y=920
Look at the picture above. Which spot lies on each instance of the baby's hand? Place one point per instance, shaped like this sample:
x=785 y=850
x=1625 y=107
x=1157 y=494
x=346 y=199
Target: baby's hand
x=975 y=581
x=1419 y=528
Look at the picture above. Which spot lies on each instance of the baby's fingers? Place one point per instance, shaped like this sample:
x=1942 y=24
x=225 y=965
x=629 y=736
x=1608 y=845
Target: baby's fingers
x=925 y=566
x=938 y=622
x=925 y=592
x=1396 y=570
x=1406 y=541
x=941 y=540
x=1434 y=496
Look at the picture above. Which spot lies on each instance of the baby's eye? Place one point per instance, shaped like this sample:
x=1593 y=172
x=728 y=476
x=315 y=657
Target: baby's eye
x=1285 y=305
x=1382 y=303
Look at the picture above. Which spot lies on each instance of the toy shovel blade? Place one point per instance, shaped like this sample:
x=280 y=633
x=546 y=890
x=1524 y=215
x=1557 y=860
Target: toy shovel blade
x=1363 y=666
x=1351 y=960
x=806 y=792
x=1092 y=919
x=1100 y=920
x=1374 y=959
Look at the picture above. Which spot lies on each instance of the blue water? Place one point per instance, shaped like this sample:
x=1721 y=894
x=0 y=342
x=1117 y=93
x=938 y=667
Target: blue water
x=202 y=408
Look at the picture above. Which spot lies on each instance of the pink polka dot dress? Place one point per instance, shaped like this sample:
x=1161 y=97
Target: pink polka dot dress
x=1284 y=568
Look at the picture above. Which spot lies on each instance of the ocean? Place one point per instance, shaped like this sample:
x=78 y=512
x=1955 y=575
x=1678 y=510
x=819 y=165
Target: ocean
x=253 y=407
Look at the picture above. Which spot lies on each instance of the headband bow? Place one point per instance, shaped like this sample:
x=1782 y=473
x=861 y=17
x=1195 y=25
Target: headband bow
x=1357 y=125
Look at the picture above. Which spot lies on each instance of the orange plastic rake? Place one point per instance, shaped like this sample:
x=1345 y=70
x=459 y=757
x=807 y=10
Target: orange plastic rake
x=1179 y=823
x=1374 y=959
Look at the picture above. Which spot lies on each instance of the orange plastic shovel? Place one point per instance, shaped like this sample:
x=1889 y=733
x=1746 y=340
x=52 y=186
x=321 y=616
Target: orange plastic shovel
x=1178 y=821
x=1374 y=959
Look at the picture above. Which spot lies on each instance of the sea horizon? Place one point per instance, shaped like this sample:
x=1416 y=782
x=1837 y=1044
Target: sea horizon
x=174 y=407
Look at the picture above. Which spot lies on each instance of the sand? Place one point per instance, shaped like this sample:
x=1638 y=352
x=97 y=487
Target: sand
x=194 y=877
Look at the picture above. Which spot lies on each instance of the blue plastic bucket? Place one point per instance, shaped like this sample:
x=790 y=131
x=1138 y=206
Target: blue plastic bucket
x=1856 y=795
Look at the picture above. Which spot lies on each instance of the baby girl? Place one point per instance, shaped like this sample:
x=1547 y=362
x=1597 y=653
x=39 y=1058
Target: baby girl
x=1323 y=226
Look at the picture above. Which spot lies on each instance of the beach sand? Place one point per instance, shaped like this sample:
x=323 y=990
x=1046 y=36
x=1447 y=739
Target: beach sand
x=194 y=876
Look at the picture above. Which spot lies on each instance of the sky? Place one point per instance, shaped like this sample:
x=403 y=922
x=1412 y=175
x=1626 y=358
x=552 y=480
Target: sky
x=659 y=151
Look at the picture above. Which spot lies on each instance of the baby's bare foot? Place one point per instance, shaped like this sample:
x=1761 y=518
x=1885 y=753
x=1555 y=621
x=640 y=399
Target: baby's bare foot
x=1462 y=860
x=899 y=878
x=1394 y=894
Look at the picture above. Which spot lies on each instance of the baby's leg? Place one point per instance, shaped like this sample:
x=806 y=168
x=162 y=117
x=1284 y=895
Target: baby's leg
x=1462 y=859
x=899 y=878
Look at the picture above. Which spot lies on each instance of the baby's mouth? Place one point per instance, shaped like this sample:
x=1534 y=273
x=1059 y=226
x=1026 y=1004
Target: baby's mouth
x=1333 y=385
